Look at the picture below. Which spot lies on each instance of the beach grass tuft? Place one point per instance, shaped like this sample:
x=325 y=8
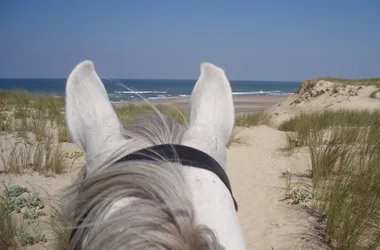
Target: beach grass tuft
x=253 y=119
x=374 y=94
x=236 y=139
x=60 y=227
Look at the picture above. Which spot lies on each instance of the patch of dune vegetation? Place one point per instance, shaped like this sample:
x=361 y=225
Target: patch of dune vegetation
x=362 y=81
x=33 y=131
x=345 y=154
x=129 y=112
x=16 y=230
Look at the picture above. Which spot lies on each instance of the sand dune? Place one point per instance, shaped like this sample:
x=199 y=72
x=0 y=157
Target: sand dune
x=325 y=95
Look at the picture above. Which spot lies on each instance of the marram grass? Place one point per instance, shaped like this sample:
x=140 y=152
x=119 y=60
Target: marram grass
x=345 y=154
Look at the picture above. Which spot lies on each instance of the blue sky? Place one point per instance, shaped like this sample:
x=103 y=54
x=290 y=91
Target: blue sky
x=251 y=40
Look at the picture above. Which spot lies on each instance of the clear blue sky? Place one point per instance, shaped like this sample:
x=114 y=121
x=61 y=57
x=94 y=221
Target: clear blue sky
x=252 y=40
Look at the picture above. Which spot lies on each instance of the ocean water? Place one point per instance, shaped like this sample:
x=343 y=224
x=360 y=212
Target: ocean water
x=150 y=89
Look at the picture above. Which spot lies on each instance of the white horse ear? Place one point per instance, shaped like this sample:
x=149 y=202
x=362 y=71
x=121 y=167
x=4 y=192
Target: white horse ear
x=212 y=113
x=91 y=119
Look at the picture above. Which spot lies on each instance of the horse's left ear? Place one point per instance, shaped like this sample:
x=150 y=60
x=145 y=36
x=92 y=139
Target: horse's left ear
x=91 y=119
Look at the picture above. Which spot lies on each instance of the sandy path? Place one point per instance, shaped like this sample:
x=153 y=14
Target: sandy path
x=254 y=172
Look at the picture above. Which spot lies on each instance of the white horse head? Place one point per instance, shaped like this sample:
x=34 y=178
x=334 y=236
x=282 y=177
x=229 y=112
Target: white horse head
x=141 y=204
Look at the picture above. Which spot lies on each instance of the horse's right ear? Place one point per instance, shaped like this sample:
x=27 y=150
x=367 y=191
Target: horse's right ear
x=212 y=114
x=91 y=119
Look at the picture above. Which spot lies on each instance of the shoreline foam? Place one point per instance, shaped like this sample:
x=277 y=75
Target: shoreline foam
x=133 y=96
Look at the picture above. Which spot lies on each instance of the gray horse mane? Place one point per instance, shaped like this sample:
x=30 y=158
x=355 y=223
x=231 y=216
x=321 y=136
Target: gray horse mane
x=160 y=214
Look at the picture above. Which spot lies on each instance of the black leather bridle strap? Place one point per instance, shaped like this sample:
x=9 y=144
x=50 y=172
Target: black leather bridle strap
x=186 y=156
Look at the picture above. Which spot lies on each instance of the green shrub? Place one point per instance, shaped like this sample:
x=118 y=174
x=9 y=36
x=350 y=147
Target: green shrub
x=21 y=200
